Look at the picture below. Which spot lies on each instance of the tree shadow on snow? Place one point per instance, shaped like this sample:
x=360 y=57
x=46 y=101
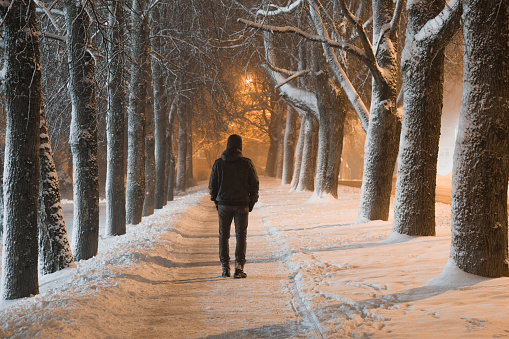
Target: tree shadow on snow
x=355 y=246
x=144 y=280
x=286 y=330
x=316 y=227
x=400 y=300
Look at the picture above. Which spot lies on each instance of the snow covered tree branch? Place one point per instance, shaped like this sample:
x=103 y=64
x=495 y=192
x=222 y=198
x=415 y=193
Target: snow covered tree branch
x=312 y=37
x=279 y=10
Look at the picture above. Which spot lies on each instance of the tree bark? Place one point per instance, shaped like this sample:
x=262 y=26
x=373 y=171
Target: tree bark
x=423 y=79
x=299 y=150
x=480 y=171
x=189 y=151
x=54 y=249
x=150 y=161
x=275 y=137
x=182 y=150
x=83 y=134
x=171 y=157
x=1 y=194
x=23 y=96
x=310 y=148
x=280 y=155
x=382 y=138
x=115 y=124
x=160 y=118
x=289 y=145
x=332 y=112
x=136 y=116
x=270 y=165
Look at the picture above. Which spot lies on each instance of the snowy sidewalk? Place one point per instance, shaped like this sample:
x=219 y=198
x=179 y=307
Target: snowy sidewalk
x=312 y=272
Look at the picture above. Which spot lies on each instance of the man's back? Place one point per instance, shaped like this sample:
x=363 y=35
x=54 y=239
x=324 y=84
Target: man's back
x=233 y=180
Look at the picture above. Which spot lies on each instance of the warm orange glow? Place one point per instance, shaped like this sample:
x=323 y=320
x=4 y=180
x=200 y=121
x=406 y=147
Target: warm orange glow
x=248 y=81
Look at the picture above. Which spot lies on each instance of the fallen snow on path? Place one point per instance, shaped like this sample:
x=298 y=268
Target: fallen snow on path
x=324 y=275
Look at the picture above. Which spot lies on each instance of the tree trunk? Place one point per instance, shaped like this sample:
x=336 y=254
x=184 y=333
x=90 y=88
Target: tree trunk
x=270 y=165
x=423 y=79
x=160 y=119
x=182 y=150
x=171 y=157
x=115 y=124
x=150 y=160
x=275 y=136
x=189 y=151
x=54 y=249
x=382 y=139
x=23 y=96
x=280 y=154
x=299 y=150
x=136 y=116
x=83 y=134
x=1 y=193
x=308 y=165
x=332 y=112
x=171 y=178
x=480 y=172
x=289 y=145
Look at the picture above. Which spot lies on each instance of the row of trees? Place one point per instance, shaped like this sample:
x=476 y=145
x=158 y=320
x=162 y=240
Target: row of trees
x=139 y=68
x=128 y=73
x=332 y=42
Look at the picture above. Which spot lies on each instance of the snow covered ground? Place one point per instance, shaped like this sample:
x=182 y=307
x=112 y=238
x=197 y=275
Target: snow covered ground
x=312 y=272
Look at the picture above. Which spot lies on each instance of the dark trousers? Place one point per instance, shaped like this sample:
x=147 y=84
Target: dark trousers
x=240 y=214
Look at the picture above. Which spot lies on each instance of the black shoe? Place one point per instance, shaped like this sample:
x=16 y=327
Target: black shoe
x=239 y=274
x=226 y=272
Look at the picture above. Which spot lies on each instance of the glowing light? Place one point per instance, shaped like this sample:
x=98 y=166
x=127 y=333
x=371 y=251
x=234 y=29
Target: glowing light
x=248 y=81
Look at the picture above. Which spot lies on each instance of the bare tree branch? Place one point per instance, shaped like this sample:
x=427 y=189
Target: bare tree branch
x=359 y=27
x=313 y=37
x=53 y=36
x=294 y=76
x=395 y=18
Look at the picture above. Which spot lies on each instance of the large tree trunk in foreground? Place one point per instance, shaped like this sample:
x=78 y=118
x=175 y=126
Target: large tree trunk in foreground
x=54 y=249
x=423 y=79
x=23 y=96
x=115 y=124
x=83 y=134
x=382 y=138
x=308 y=164
x=289 y=145
x=480 y=173
x=136 y=116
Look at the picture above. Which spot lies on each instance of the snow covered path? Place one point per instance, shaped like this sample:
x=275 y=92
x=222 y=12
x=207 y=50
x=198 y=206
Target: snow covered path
x=312 y=272
x=193 y=301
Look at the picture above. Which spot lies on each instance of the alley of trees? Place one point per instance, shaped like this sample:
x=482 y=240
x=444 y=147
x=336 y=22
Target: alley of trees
x=121 y=96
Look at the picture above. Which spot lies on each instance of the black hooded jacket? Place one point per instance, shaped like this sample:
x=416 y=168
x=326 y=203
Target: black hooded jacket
x=233 y=180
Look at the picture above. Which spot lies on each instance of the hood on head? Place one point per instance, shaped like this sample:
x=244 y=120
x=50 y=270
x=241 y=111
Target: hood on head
x=234 y=142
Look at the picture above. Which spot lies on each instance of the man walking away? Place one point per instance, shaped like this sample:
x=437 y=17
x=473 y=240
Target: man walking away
x=233 y=187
